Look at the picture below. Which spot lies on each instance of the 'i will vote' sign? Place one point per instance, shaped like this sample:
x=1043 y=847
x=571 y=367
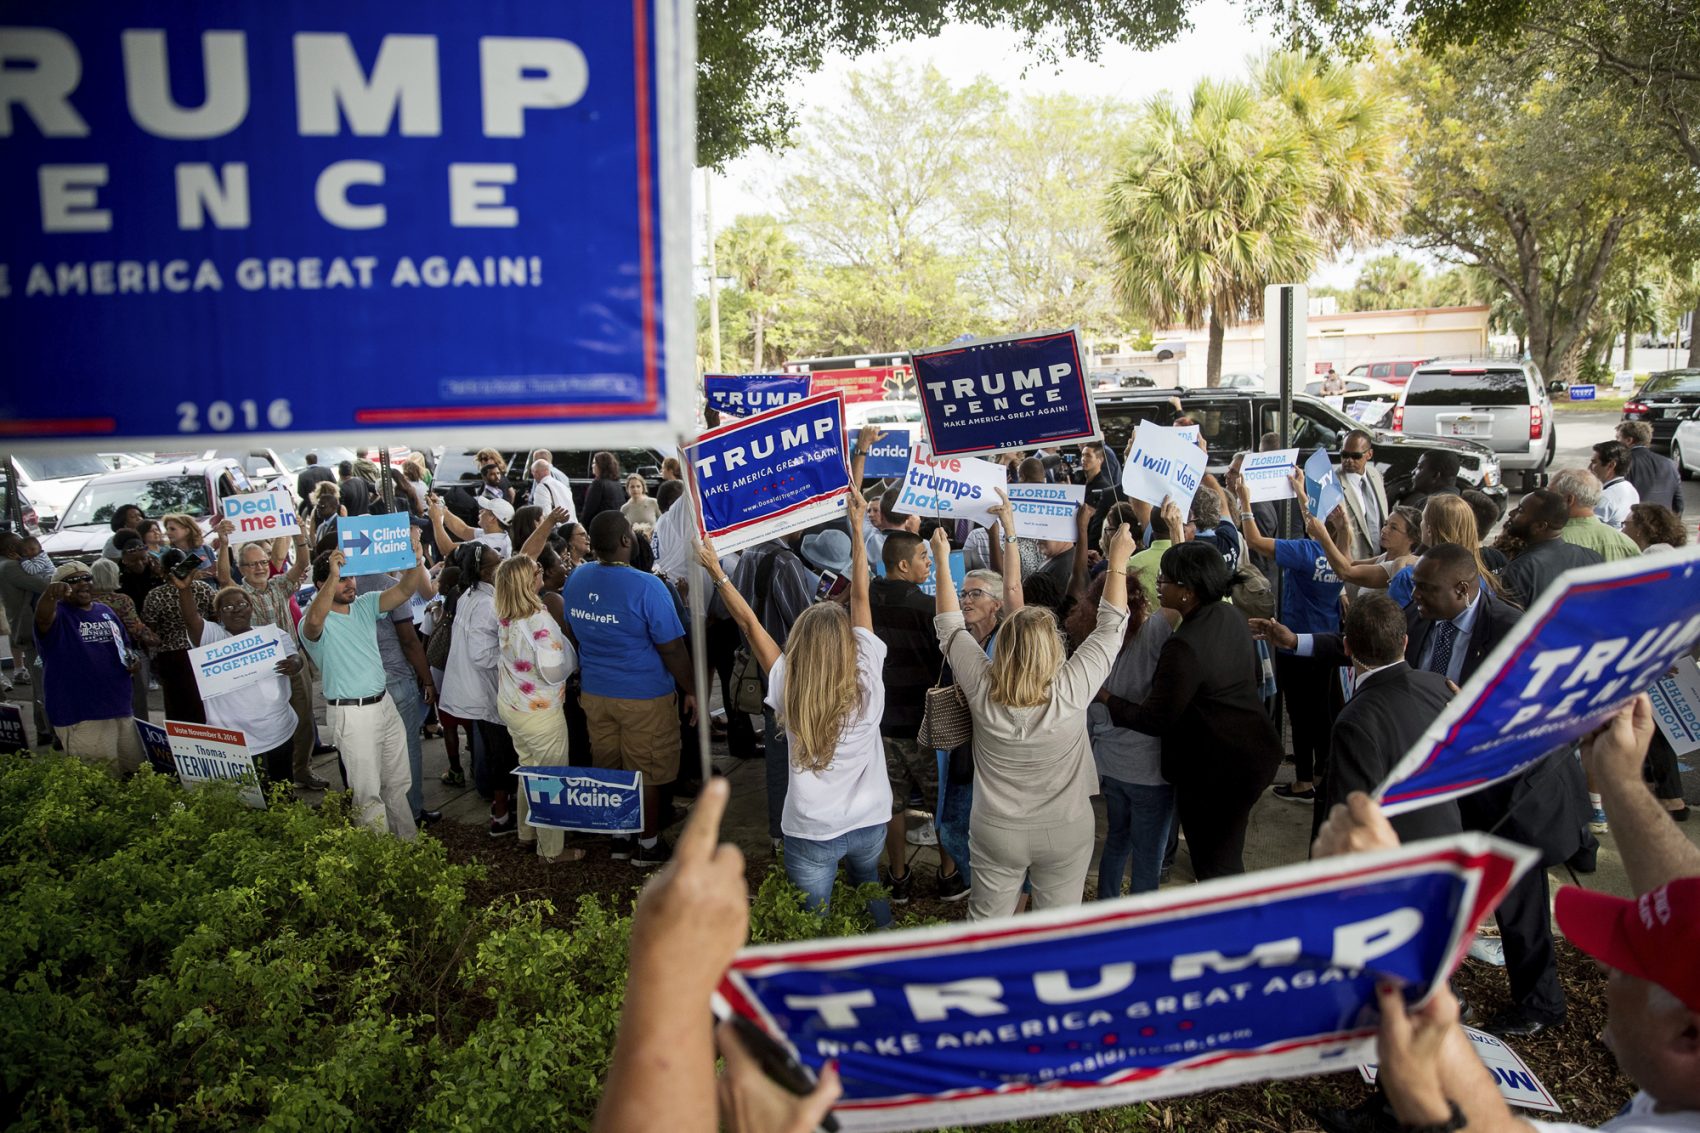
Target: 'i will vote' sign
x=1595 y=639
x=1000 y=394
x=775 y=473
x=1268 y=975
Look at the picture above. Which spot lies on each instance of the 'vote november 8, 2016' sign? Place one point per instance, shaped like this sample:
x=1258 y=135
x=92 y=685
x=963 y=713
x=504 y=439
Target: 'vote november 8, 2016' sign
x=1005 y=393
x=775 y=473
x=467 y=218
x=1596 y=638
x=1267 y=975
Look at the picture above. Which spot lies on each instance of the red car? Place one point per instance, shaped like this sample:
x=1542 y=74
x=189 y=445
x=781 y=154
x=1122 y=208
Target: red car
x=1394 y=371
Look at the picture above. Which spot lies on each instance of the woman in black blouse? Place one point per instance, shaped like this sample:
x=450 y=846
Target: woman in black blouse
x=1220 y=750
x=606 y=491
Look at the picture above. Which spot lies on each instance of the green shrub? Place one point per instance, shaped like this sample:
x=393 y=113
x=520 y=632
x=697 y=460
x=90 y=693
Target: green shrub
x=176 y=959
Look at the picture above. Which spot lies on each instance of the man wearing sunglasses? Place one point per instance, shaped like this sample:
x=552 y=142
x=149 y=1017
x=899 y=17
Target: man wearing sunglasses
x=1365 y=495
x=87 y=659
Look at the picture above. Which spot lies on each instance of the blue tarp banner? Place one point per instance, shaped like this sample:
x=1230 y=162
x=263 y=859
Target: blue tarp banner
x=745 y=395
x=1598 y=636
x=779 y=472
x=1271 y=974
x=583 y=798
x=1001 y=394
x=347 y=218
x=374 y=544
x=889 y=455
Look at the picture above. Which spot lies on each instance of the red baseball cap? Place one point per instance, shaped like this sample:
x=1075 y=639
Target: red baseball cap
x=1655 y=937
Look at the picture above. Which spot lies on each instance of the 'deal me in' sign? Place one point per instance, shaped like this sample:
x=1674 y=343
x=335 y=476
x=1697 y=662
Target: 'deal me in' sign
x=1001 y=394
x=772 y=474
x=1272 y=974
x=364 y=195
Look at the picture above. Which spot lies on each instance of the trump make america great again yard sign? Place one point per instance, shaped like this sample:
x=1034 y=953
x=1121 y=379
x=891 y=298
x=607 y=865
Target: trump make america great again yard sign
x=326 y=219
x=1268 y=975
x=1596 y=638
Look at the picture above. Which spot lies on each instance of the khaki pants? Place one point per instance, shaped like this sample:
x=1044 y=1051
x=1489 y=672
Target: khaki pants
x=540 y=740
x=373 y=741
x=112 y=744
x=301 y=743
x=635 y=735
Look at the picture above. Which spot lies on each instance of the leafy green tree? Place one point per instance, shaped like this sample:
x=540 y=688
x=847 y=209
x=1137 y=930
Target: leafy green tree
x=763 y=262
x=1034 y=230
x=1389 y=282
x=1533 y=180
x=1248 y=184
x=750 y=52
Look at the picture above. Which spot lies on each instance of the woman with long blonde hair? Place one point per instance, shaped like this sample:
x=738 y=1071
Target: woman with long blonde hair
x=535 y=662
x=1447 y=519
x=1034 y=775
x=826 y=692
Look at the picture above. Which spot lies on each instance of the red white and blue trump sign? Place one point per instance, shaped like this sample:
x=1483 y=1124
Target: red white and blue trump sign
x=745 y=395
x=772 y=474
x=1599 y=636
x=1267 y=975
x=1001 y=394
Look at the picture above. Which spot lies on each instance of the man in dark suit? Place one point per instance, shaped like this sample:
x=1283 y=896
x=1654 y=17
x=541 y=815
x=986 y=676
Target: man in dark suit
x=1390 y=706
x=1539 y=522
x=1655 y=477
x=310 y=477
x=1453 y=623
x=1100 y=489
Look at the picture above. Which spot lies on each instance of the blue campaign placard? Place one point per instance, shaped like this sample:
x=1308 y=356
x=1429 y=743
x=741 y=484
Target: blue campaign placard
x=1583 y=392
x=342 y=218
x=1595 y=639
x=157 y=744
x=889 y=456
x=12 y=737
x=1267 y=975
x=1322 y=484
x=374 y=544
x=583 y=798
x=772 y=474
x=1003 y=394
x=745 y=395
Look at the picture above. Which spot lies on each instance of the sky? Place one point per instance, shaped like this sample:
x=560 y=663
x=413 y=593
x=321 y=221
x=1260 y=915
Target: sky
x=1219 y=46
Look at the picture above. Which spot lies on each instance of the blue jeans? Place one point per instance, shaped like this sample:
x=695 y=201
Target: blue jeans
x=1139 y=821
x=778 y=773
x=953 y=825
x=813 y=866
x=405 y=692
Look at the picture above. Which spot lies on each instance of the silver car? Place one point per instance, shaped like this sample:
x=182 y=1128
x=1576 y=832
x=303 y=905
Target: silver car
x=1501 y=404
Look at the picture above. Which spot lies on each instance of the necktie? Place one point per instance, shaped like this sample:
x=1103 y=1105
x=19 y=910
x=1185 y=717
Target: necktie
x=1441 y=659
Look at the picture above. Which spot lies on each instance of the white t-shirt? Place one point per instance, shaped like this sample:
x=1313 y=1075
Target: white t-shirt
x=498 y=540
x=260 y=710
x=1637 y=1117
x=854 y=791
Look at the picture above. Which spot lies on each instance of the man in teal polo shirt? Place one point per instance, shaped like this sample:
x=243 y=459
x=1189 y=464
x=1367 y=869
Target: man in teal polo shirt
x=340 y=634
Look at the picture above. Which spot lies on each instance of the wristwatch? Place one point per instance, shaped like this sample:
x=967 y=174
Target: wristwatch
x=1010 y=540
x=723 y=580
x=1454 y=1122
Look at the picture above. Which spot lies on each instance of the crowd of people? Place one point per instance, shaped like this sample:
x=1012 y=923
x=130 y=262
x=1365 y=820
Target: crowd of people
x=1141 y=662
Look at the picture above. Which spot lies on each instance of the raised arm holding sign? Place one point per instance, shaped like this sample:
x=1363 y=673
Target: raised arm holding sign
x=1160 y=464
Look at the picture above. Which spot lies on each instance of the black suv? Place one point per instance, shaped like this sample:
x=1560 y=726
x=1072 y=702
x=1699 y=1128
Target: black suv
x=456 y=467
x=1664 y=401
x=1232 y=421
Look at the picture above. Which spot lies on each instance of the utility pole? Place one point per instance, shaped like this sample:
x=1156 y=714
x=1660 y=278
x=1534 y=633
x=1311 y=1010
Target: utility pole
x=713 y=271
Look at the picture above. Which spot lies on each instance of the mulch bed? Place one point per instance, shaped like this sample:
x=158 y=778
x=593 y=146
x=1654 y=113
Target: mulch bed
x=1570 y=1060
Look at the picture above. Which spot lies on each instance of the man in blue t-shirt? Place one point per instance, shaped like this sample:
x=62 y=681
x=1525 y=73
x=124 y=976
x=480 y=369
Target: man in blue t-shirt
x=87 y=661
x=631 y=648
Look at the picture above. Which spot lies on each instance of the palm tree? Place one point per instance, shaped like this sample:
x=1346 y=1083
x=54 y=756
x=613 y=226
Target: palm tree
x=755 y=252
x=1213 y=202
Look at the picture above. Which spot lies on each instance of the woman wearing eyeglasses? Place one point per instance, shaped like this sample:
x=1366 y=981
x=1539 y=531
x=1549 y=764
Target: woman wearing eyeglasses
x=1219 y=750
x=1033 y=772
x=260 y=710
